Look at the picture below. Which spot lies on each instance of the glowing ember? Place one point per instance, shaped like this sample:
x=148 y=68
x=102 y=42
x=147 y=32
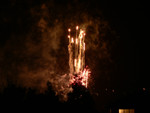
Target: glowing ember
x=78 y=73
x=77 y=27
x=69 y=30
x=68 y=36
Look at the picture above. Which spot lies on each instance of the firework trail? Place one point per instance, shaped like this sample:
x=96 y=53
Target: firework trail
x=78 y=72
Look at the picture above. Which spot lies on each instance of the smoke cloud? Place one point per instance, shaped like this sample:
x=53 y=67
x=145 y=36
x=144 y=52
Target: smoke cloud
x=39 y=54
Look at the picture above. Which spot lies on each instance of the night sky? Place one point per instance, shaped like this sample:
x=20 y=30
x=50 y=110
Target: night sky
x=33 y=43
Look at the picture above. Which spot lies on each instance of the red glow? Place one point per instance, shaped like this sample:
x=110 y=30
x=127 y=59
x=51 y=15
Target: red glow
x=82 y=78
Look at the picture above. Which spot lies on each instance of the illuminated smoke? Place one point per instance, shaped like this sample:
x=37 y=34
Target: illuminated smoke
x=40 y=54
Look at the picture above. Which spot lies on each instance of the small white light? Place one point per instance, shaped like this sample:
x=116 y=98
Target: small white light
x=69 y=30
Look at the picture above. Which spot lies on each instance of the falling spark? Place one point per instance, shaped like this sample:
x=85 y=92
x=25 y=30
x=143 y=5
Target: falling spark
x=78 y=72
x=76 y=41
x=84 y=46
x=72 y=40
x=68 y=36
x=69 y=30
x=75 y=60
x=77 y=27
x=79 y=65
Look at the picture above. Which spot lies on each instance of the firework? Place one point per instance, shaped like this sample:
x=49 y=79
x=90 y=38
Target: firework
x=78 y=72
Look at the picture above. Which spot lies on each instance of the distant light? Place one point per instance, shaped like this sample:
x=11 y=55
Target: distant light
x=106 y=89
x=126 y=111
x=113 y=90
x=144 y=89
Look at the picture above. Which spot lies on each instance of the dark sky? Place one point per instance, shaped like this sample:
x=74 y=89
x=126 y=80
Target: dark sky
x=129 y=19
x=33 y=43
x=25 y=22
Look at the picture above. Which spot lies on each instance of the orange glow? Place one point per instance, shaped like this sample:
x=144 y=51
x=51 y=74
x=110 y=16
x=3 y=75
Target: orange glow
x=76 y=41
x=68 y=36
x=126 y=111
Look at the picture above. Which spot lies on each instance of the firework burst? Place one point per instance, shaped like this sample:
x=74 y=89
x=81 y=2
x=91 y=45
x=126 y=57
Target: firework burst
x=78 y=72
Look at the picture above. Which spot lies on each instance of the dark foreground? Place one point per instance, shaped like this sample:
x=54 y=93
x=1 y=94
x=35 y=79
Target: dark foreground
x=16 y=99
